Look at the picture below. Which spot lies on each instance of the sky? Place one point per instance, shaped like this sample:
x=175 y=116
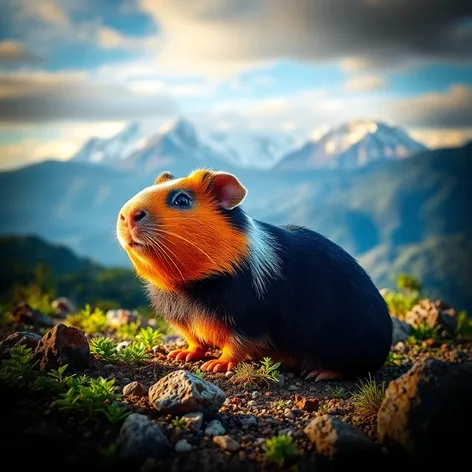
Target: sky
x=70 y=70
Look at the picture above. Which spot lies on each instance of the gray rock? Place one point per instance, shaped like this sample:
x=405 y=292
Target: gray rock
x=135 y=388
x=20 y=338
x=193 y=421
x=229 y=374
x=252 y=403
x=215 y=428
x=428 y=409
x=401 y=330
x=183 y=446
x=339 y=440
x=281 y=380
x=122 y=345
x=140 y=438
x=249 y=420
x=226 y=442
x=181 y=392
x=120 y=317
x=62 y=307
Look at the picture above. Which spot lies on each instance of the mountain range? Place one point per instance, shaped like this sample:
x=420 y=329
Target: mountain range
x=347 y=146
x=393 y=213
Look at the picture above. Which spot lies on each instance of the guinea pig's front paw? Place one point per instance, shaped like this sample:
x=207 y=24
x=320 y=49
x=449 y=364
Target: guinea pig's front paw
x=318 y=375
x=190 y=354
x=219 y=365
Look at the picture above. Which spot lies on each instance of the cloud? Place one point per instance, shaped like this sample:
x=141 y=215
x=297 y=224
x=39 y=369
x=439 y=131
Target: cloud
x=437 y=138
x=221 y=38
x=110 y=38
x=13 y=52
x=363 y=83
x=449 y=109
x=42 y=96
x=49 y=11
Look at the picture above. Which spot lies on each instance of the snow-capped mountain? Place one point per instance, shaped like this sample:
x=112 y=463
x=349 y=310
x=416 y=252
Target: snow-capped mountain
x=352 y=145
x=180 y=142
x=110 y=150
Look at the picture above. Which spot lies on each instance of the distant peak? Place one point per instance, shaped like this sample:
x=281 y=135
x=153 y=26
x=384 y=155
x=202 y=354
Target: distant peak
x=178 y=125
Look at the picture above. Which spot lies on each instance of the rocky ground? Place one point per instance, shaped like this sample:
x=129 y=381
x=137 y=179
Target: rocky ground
x=417 y=410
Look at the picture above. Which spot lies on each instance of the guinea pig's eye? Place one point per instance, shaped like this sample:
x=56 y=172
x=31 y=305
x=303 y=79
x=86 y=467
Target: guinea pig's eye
x=182 y=200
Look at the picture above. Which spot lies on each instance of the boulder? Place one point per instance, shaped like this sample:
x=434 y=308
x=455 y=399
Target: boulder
x=435 y=314
x=135 y=388
x=428 y=409
x=63 y=345
x=25 y=314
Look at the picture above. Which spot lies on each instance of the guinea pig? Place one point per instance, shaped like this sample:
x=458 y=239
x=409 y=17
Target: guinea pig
x=223 y=279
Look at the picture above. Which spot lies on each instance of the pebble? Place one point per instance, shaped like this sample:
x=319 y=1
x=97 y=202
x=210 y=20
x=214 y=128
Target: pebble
x=227 y=443
x=229 y=374
x=285 y=432
x=290 y=416
x=252 y=403
x=248 y=421
x=183 y=446
x=255 y=394
x=290 y=375
x=193 y=421
x=293 y=387
x=135 y=388
x=281 y=380
x=214 y=428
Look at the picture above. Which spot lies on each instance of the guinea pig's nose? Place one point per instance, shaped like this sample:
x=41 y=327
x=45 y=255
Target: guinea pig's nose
x=138 y=215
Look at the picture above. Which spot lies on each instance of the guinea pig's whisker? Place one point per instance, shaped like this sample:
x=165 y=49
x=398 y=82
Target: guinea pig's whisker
x=162 y=231
x=163 y=250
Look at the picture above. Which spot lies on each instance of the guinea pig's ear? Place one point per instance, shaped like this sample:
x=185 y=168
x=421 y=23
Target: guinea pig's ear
x=227 y=189
x=163 y=177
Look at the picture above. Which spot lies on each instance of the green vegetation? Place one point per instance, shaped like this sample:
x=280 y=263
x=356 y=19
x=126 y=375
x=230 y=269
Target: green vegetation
x=338 y=392
x=87 y=396
x=407 y=295
x=92 y=396
x=422 y=333
x=370 y=395
x=178 y=422
x=149 y=337
x=20 y=368
x=249 y=376
x=128 y=331
x=134 y=353
x=104 y=348
x=280 y=450
x=88 y=321
x=394 y=358
x=199 y=373
x=36 y=272
x=464 y=326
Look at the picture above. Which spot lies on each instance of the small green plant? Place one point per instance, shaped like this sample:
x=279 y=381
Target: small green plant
x=422 y=333
x=178 y=422
x=104 y=348
x=250 y=376
x=400 y=304
x=88 y=321
x=270 y=370
x=394 y=358
x=134 y=353
x=464 y=326
x=53 y=381
x=88 y=396
x=408 y=284
x=279 y=404
x=338 y=392
x=128 y=332
x=280 y=449
x=370 y=395
x=200 y=374
x=322 y=409
x=149 y=337
x=20 y=368
x=115 y=413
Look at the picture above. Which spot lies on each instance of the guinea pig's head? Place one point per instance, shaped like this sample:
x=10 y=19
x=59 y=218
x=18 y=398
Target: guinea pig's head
x=181 y=230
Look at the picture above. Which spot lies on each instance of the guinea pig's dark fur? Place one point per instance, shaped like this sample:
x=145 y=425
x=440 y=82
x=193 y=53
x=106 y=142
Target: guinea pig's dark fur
x=294 y=295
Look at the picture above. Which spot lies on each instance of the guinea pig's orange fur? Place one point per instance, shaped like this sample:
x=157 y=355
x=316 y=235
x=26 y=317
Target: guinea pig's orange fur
x=185 y=247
